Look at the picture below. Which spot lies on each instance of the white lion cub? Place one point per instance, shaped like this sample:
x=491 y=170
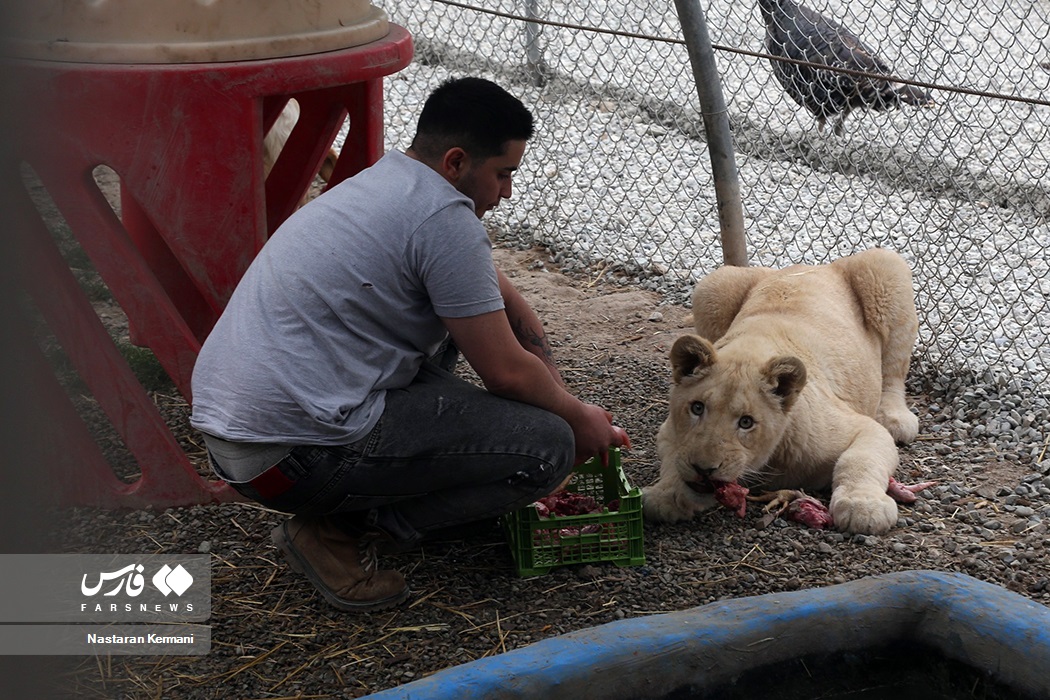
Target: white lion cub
x=795 y=379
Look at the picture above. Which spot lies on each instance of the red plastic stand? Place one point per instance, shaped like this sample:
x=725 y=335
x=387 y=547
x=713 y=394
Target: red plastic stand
x=186 y=142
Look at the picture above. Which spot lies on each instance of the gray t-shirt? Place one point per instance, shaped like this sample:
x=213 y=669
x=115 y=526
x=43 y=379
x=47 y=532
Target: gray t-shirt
x=341 y=304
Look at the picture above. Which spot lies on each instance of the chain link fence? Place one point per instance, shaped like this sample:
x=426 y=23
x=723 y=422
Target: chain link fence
x=617 y=182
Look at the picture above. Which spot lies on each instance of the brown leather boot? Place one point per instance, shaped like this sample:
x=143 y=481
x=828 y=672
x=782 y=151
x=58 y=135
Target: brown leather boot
x=341 y=566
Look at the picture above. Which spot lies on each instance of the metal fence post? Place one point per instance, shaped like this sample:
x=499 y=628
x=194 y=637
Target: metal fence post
x=533 y=51
x=716 y=126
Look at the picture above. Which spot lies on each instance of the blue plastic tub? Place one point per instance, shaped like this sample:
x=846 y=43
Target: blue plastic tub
x=1000 y=634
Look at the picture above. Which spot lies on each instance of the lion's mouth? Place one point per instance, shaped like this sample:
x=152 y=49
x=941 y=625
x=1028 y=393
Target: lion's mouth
x=729 y=493
x=706 y=484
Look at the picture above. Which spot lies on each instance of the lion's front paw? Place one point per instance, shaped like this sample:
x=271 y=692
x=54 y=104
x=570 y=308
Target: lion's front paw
x=901 y=423
x=861 y=513
x=665 y=504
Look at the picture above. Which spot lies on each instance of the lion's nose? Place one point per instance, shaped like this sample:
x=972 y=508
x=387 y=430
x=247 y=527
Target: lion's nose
x=703 y=471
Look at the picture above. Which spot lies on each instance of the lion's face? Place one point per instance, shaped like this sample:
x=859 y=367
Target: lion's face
x=726 y=417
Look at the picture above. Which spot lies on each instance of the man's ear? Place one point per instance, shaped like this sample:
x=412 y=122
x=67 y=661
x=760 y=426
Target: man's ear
x=454 y=163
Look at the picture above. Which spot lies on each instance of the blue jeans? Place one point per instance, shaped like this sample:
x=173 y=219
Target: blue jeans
x=444 y=453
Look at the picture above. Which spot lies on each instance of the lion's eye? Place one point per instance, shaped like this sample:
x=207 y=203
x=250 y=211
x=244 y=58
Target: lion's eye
x=697 y=408
x=746 y=422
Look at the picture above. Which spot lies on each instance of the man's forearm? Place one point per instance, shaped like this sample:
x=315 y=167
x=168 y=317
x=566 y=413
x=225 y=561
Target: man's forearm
x=527 y=327
x=534 y=339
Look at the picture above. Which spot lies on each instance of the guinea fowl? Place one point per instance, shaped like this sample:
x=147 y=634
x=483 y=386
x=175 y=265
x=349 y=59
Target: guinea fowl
x=797 y=32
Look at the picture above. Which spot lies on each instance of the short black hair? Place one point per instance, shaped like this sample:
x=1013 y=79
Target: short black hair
x=474 y=114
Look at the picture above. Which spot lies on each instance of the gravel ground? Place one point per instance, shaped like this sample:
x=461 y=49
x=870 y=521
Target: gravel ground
x=274 y=637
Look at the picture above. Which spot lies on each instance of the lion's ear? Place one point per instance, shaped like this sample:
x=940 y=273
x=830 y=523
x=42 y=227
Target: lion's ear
x=786 y=376
x=690 y=355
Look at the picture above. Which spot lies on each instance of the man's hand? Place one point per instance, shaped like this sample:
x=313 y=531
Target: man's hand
x=595 y=434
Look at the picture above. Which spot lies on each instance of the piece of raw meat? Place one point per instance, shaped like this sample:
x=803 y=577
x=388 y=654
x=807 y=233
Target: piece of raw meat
x=905 y=493
x=567 y=503
x=795 y=505
x=810 y=512
x=732 y=495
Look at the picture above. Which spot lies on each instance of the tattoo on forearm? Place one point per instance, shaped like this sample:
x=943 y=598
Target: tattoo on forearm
x=528 y=337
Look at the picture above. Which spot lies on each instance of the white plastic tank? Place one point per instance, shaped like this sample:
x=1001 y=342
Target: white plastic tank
x=188 y=31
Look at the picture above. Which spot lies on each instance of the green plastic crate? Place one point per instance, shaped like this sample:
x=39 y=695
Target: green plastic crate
x=539 y=544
